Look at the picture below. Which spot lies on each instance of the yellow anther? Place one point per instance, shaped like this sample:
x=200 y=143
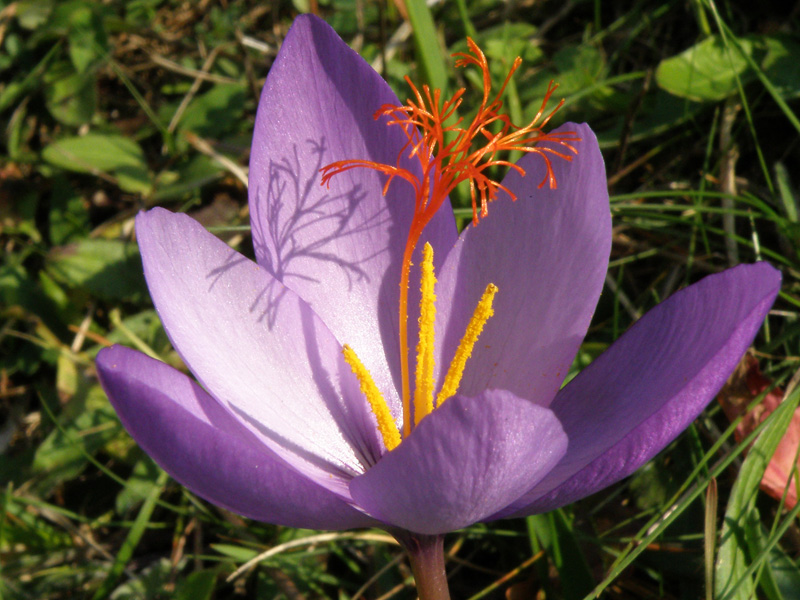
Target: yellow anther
x=386 y=424
x=423 y=395
x=482 y=313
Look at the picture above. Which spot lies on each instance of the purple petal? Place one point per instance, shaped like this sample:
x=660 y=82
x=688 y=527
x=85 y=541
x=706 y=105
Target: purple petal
x=257 y=348
x=652 y=383
x=197 y=442
x=340 y=248
x=548 y=254
x=462 y=462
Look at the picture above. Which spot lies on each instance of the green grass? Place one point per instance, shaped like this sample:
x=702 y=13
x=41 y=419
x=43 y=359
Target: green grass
x=109 y=108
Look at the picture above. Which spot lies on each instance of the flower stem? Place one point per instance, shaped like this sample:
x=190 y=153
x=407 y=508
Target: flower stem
x=426 y=554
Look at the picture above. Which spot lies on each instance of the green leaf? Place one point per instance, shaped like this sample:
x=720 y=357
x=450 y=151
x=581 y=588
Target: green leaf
x=238 y=553
x=426 y=41
x=146 y=326
x=660 y=113
x=28 y=527
x=789 y=199
x=138 y=486
x=186 y=178
x=70 y=97
x=13 y=91
x=147 y=584
x=135 y=533
x=33 y=13
x=503 y=43
x=780 y=577
x=87 y=39
x=555 y=533
x=197 y=586
x=69 y=214
x=216 y=112
x=86 y=425
x=102 y=153
x=781 y=64
x=741 y=516
x=785 y=573
x=18 y=288
x=705 y=72
x=109 y=269
x=579 y=71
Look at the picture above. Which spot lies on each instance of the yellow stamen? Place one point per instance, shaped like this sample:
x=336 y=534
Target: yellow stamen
x=386 y=424
x=423 y=396
x=482 y=313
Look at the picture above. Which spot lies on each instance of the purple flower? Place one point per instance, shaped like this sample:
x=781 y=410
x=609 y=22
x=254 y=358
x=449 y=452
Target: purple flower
x=279 y=428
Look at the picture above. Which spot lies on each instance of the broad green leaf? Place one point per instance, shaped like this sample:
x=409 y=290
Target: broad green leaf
x=18 y=288
x=69 y=214
x=185 y=178
x=141 y=13
x=556 y=536
x=785 y=573
x=579 y=71
x=33 y=13
x=87 y=38
x=238 y=553
x=781 y=64
x=216 y=112
x=97 y=153
x=70 y=97
x=11 y=93
x=23 y=526
x=780 y=577
x=146 y=326
x=86 y=425
x=660 y=113
x=426 y=41
x=135 y=533
x=503 y=43
x=302 y=6
x=18 y=131
x=705 y=72
x=79 y=22
x=197 y=586
x=109 y=269
x=731 y=581
x=147 y=584
x=138 y=486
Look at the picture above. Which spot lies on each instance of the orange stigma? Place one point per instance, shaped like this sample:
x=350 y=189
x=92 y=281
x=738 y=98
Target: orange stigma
x=450 y=154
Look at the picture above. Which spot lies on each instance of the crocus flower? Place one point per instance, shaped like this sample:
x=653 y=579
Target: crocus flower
x=286 y=427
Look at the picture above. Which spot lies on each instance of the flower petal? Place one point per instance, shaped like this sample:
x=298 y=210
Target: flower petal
x=548 y=254
x=652 y=383
x=257 y=348
x=197 y=442
x=462 y=462
x=338 y=248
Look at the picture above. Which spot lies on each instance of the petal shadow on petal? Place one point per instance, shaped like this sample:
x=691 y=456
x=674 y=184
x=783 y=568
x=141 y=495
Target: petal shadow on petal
x=301 y=223
x=340 y=248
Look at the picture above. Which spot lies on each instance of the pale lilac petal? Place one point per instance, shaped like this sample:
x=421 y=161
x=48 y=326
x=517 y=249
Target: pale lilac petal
x=338 y=248
x=548 y=254
x=652 y=383
x=462 y=463
x=197 y=442
x=257 y=348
